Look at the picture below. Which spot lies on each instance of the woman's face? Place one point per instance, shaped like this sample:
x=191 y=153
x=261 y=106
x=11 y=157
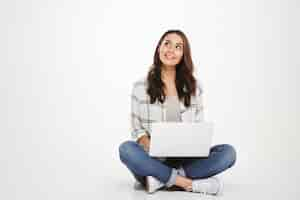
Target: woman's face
x=171 y=50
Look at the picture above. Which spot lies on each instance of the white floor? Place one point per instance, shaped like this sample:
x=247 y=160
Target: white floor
x=57 y=178
x=123 y=189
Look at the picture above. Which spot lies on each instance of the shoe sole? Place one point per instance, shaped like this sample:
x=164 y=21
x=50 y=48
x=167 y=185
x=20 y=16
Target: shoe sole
x=148 y=183
x=147 y=186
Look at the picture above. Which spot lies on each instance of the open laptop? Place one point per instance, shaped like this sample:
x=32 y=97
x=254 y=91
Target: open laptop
x=181 y=139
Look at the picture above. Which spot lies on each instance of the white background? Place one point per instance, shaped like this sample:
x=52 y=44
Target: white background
x=67 y=69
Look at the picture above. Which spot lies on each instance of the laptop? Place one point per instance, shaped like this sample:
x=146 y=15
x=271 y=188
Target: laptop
x=181 y=139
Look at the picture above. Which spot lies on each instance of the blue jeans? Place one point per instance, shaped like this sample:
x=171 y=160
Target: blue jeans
x=140 y=164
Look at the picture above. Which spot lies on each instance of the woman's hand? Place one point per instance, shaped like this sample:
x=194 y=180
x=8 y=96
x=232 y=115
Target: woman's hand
x=145 y=142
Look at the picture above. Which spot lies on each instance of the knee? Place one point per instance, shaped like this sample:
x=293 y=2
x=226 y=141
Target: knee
x=124 y=150
x=229 y=154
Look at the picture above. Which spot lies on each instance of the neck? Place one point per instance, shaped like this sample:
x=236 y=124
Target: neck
x=168 y=73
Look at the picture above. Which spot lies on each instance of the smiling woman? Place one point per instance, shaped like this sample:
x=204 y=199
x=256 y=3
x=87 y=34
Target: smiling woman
x=172 y=71
x=171 y=50
x=171 y=93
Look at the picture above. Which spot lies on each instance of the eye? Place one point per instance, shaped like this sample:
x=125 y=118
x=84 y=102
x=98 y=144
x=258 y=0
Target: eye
x=166 y=43
x=178 y=47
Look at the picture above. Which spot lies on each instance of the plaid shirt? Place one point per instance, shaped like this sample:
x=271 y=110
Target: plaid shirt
x=143 y=114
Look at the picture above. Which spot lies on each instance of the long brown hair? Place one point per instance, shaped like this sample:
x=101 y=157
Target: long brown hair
x=185 y=81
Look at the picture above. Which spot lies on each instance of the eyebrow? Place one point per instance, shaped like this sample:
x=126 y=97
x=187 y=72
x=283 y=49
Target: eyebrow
x=176 y=43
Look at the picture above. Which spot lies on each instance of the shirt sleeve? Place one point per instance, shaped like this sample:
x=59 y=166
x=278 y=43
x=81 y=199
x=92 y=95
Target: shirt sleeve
x=137 y=130
x=199 y=115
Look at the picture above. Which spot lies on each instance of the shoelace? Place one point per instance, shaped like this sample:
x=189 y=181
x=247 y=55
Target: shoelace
x=205 y=188
x=202 y=188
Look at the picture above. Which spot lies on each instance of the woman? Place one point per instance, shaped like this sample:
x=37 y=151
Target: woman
x=171 y=93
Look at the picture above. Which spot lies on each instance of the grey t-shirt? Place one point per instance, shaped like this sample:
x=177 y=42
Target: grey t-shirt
x=172 y=109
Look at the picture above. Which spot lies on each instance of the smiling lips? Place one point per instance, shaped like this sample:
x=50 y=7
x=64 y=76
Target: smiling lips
x=169 y=56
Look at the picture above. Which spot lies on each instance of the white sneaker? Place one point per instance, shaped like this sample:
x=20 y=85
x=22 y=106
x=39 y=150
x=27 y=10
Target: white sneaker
x=212 y=185
x=152 y=184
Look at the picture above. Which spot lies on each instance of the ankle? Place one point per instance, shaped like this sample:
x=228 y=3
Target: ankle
x=183 y=182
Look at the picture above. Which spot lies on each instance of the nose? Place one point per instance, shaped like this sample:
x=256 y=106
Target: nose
x=171 y=48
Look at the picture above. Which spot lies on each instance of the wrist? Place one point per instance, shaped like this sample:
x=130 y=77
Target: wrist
x=142 y=139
